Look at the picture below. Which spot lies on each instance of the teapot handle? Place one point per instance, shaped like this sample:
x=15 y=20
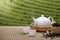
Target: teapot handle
x=52 y=20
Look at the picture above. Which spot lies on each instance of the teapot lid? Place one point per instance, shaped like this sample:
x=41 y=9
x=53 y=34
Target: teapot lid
x=42 y=17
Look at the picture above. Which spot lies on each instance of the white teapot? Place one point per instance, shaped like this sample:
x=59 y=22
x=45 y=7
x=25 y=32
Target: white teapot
x=43 y=21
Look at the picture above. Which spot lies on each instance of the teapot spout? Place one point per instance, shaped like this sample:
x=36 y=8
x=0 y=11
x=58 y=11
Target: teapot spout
x=34 y=19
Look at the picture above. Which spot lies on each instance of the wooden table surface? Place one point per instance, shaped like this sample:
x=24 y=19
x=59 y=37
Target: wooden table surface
x=14 y=33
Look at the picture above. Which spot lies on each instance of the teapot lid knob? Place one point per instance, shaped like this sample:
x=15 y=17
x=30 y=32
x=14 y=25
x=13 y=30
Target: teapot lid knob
x=42 y=15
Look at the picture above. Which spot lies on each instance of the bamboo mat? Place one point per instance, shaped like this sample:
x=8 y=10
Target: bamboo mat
x=14 y=33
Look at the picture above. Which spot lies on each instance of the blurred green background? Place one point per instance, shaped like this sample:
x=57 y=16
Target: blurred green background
x=21 y=12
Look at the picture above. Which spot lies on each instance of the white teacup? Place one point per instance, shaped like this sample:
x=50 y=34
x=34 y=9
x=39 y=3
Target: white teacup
x=25 y=29
x=32 y=32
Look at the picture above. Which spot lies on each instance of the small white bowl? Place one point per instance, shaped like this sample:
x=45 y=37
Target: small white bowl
x=32 y=32
x=25 y=29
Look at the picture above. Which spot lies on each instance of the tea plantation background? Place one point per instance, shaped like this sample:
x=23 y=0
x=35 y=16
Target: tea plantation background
x=21 y=12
